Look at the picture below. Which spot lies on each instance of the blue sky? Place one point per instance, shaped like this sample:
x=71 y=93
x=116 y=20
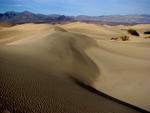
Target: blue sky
x=78 y=7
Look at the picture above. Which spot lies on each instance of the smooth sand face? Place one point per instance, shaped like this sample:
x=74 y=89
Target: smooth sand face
x=124 y=66
x=38 y=60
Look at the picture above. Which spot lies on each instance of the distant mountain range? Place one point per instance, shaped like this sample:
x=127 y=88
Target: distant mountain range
x=126 y=19
x=29 y=17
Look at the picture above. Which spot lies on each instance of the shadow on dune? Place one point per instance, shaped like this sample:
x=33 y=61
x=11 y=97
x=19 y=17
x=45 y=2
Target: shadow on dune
x=93 y=90
x=59 y=29
x=25 y=66
x=70 y=48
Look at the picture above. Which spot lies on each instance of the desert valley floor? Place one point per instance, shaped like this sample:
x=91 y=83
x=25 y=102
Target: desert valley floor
x=43 y=68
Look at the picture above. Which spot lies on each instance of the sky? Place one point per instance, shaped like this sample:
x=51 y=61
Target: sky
x=78 y=7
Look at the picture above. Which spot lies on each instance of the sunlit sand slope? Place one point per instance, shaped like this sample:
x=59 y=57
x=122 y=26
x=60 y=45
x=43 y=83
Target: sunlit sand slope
x=43 y=68
x=124 y=66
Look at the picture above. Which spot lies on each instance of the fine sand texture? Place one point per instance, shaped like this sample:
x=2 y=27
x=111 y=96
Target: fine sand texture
x=55 y=68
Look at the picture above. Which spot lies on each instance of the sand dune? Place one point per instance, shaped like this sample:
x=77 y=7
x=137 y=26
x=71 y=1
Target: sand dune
x=39 y=63
x=124 y=65
x=5 y=25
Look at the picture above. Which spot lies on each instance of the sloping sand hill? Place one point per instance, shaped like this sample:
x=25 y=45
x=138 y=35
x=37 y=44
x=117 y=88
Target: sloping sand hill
x=45 y=69
x=124 y=66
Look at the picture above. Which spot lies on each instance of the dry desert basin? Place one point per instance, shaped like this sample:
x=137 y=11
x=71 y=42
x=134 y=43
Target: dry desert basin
x=74 y=68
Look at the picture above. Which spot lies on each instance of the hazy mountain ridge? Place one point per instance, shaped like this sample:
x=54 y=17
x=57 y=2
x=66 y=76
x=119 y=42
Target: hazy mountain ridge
x=29 y=17
x=117 y=18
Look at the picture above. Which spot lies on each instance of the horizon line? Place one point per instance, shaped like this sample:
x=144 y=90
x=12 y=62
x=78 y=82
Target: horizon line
x=3 y=12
